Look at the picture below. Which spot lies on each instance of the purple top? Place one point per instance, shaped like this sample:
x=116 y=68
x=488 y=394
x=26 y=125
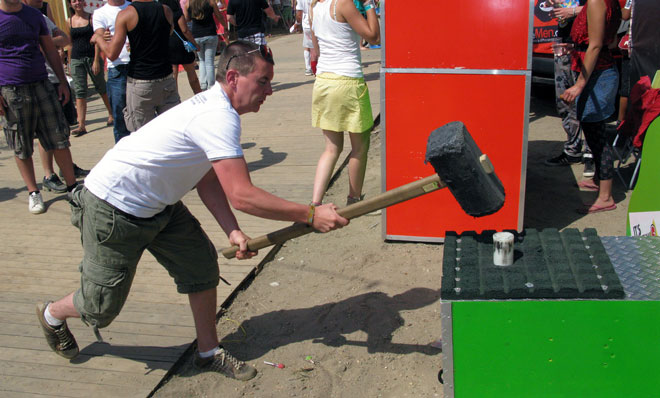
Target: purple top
x=21 y=62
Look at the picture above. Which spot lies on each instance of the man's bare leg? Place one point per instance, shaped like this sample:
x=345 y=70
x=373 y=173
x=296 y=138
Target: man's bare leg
x=203 y=306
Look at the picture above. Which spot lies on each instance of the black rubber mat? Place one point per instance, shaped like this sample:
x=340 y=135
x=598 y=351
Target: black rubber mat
x=547 y=264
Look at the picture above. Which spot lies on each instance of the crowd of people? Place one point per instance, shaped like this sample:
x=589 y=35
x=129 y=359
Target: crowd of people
x=131 y=200
x=588 y=79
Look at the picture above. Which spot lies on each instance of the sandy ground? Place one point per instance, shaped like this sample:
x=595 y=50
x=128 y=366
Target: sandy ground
x=367 y=312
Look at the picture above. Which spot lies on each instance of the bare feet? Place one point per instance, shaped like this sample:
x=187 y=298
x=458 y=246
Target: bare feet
x=598 y=206
x=588 y=185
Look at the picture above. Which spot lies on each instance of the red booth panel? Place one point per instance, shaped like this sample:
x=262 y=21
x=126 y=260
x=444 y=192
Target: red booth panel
x=469 y=34
x=492 y=108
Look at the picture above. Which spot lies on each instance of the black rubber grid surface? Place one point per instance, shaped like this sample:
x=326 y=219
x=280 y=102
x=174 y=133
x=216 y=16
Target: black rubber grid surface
x=547 y=264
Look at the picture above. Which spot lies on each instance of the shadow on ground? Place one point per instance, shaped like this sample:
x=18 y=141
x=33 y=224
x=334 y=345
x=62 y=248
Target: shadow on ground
x=284 y=86
x=154 y=358
x=375 y=313
x=552 y=197
x=10 y=193
x=268 y=158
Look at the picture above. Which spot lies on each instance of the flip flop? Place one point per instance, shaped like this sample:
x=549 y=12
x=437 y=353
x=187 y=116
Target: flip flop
x=78 y=132
x=596 y=209
x=588 y=185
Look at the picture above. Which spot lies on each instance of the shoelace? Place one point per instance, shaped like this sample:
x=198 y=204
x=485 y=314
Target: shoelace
x=65 y=338
x=226 y=357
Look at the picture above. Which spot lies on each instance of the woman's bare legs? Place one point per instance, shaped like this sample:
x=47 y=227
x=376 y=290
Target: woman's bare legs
x=175 y=74
x=604 y=194
x=334 y=143
x=106 y=102
x=357 y=163
x=193 y=80
x=81 y=106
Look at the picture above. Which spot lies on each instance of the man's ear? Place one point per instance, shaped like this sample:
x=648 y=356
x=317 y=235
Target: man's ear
x=231 y=76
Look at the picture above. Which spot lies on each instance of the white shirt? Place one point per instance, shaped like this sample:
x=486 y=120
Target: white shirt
x=339 y=44
x=104 y=18
x=303 y=5
x=161 y=162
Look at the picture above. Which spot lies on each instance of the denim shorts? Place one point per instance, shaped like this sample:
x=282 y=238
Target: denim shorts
x=113 y=243
x=597 y=101
x=34 y=111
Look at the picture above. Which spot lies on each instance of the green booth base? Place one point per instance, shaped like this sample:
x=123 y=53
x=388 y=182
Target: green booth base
x=561 y=347
x=558 y=348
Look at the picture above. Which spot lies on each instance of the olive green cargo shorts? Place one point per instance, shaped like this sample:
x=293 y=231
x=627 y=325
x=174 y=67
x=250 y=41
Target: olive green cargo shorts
x=113 y=243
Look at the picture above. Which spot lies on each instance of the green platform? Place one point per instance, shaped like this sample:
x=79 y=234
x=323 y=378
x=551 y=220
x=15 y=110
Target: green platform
x=574 y=347
x=556 y=349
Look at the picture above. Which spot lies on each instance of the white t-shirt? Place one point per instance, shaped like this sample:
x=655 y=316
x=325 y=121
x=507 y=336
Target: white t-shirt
x=161 y=162
x=303 y=5
x=104 y=18
x=339 y=44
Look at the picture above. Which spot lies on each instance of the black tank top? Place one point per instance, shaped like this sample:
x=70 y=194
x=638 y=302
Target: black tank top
x=80 y=45
x=149 y=42
x=205 y=26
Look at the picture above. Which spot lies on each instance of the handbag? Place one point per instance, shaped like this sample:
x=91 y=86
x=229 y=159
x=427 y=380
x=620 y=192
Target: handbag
x=186 y=44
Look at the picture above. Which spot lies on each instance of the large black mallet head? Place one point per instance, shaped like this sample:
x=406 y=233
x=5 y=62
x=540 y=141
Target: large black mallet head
x=467 y=172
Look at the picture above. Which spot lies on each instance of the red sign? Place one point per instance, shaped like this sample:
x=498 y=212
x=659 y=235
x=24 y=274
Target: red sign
x=545 y=28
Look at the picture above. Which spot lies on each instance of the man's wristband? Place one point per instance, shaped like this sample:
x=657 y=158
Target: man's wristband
x=310 y=214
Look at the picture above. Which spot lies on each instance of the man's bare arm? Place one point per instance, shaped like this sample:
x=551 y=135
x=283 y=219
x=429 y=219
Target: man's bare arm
x=244 y=196
x=214 y=198
x=271 y=14
x=53 y=58
x=127 y=19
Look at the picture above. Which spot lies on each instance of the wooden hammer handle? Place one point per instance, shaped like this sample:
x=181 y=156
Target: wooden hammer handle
x=385 y=199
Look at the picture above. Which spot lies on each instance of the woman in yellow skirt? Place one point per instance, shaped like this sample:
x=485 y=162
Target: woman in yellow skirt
x=340 y=100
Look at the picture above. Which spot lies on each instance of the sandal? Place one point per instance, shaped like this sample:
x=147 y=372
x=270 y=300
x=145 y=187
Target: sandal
x=78 y=132
x=588 y=185
x=596 y=209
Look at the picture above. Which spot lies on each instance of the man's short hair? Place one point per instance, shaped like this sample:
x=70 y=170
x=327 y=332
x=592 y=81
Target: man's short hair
x=240 y=56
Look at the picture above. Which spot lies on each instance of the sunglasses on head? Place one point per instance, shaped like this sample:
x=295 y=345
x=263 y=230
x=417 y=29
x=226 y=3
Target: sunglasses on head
x=263 y=49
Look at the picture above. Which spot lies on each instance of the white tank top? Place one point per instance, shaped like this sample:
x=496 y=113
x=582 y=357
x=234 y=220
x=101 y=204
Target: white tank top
x=339 y=44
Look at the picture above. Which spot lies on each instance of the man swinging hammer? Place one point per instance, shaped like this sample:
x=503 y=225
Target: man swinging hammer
x=132 y=200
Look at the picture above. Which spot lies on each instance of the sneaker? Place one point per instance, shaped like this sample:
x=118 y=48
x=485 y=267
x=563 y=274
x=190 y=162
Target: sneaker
x=351 y=200
x=308 y=72
x=589 y=167
x=563 y=160
x=77 y=172
x=36 y=203
x=223 y=362
x=59 y=339
x=53 y=183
